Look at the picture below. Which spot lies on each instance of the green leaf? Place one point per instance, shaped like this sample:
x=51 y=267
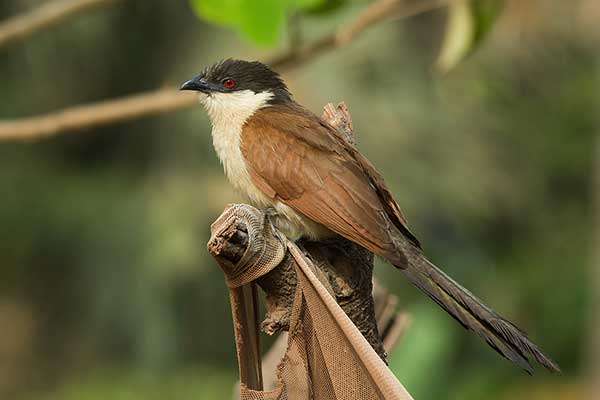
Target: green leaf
x=263 y=20
x=258 y=20
x=221 y=12
x=469 y=22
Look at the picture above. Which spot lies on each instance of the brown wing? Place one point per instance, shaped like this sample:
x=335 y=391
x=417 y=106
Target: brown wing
x=309 y=167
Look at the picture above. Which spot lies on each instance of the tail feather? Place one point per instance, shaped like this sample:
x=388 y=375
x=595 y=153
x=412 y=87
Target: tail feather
x=462 y=305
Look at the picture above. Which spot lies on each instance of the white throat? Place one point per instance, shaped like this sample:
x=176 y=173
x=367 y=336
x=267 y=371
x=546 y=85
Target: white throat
x=236 y=106
x=228 y=113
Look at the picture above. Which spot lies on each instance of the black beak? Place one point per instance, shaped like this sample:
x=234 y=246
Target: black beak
x=197 y=83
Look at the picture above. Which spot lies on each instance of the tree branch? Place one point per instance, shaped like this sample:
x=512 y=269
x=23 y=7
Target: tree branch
x=95 y=114
x=165 y=100
x=45 y=16
x=372 y=15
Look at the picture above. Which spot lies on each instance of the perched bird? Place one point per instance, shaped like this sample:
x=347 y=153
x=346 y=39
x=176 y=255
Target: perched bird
x=282 y=156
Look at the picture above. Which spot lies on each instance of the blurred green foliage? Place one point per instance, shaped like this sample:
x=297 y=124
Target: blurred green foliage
x=106 y=290
x=193 y=383
x=469 y=22
x=261 y=21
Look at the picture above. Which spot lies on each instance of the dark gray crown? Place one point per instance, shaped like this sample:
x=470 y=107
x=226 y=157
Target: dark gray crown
x=248 y=75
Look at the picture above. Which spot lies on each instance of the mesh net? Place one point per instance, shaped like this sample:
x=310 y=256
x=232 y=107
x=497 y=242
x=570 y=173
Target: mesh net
x=326 y=355
x=265 y=249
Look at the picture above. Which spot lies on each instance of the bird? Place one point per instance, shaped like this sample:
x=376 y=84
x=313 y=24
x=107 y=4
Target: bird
x=286 y=159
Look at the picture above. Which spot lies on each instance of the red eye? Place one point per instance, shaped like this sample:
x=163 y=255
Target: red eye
x=229 y=83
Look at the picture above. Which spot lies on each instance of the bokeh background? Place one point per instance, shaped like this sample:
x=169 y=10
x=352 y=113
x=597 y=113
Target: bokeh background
x=106 y=287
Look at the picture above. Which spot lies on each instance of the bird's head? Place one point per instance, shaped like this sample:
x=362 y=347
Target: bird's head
x=238 y=86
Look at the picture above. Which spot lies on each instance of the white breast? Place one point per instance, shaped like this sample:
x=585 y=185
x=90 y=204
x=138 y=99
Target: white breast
x=228 y=113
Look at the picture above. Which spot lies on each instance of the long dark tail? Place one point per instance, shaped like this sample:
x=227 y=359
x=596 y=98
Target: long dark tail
x=499 y=333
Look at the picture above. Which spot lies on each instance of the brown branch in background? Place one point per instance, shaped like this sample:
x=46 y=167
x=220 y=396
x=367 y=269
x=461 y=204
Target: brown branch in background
x=95 y=114
x=397 y=328
x=46 y=15
x=165 y=100
x=375 y=13
x=391 y=323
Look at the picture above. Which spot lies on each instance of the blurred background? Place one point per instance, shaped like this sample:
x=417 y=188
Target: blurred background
x=483 y=117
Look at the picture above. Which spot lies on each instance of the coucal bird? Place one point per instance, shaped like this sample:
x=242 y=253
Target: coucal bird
x=282 y=156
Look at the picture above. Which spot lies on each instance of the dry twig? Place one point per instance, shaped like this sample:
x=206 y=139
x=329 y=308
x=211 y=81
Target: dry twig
x=48 y=14
x=165 y=100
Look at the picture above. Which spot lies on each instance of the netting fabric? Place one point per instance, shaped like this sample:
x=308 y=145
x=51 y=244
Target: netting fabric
x=265 y=249
x=327 y=358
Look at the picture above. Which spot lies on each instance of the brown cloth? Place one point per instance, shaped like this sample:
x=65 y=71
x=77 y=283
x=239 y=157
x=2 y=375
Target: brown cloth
x=326 y=357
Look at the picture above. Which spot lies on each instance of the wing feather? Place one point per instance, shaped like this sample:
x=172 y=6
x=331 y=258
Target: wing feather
x=299 y=159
